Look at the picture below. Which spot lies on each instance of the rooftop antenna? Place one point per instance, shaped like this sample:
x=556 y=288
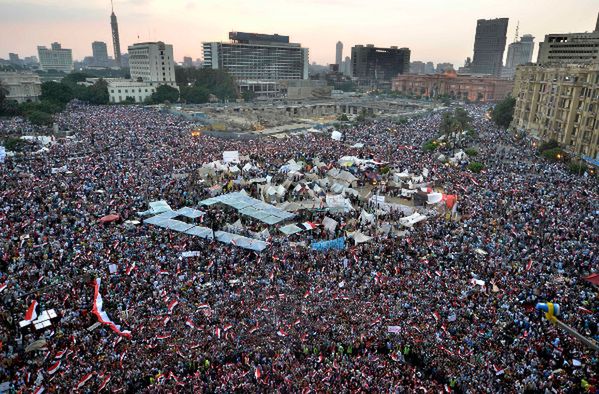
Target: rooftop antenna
x=517 y=29
x=111 y=6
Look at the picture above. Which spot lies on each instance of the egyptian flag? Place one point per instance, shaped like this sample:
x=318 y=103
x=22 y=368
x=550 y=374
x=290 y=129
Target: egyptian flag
x=189 y=323
x=54 y=367
x=102 y=316
x=258 y=373
x=39 y=390
x=104 y=382
x=84 y=380
x=253 y=329
x=129 y=269
x=307 y=226
x=60 y=354
x=217 y=332
x=31 y=314
x=281 y=333
x=172 y=305
x=161 y=337
x=3 y=286
x=227 y=327
x=203 y=306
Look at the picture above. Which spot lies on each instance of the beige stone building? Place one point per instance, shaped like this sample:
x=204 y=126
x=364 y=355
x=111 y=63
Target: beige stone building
x=559 y=102
x=21 y=87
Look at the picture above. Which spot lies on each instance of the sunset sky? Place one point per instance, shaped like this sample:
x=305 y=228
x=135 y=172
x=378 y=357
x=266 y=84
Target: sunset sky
x=435 y=30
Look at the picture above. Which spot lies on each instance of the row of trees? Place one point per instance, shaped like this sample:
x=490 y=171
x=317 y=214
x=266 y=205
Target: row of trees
x=54 y=98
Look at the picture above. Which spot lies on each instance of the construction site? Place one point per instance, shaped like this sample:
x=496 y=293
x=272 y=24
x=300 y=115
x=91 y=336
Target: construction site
x=277 y=118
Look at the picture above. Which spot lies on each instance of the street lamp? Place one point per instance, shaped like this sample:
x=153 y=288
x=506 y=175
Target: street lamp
x=552 y=311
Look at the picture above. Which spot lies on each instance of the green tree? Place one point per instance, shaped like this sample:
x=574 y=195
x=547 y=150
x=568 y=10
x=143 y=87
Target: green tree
x=56 y=92
x=217 y=82
x=503 y=112
x=165 y=93
x=476 y=166
x=194 y=94
x=40 y=118
x=343 y=118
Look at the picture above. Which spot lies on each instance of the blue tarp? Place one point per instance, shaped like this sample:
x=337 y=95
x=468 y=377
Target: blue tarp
x=338 y=244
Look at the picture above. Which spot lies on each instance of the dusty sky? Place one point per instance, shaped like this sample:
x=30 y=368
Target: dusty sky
x=435 y=30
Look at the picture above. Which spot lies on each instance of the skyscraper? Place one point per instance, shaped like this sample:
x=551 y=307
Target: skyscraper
x=339 y=53
x=57 y=58
x=116 y=43
x=100 y=53
x=489 y=45
x=374 y=63
x=518 y=52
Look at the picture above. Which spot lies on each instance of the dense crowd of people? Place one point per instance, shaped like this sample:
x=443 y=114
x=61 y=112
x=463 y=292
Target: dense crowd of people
x=290 y=319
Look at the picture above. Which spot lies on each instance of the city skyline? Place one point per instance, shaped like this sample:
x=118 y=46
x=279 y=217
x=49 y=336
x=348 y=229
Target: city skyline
x=186 y=24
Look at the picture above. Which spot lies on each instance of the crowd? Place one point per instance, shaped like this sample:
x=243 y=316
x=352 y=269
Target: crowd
x=290 y=319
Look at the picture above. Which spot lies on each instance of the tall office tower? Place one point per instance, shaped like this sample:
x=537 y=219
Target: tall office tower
x=429 y=68
x=568 y=48
x=442 y=67
x=518 y=52
x=347 y=66
x=489 y=45
x=100 y=53
x=372 y=63
x=116 y=43
x=187 y=62
x=417 y=67
x=56 y=58
x=153 y=62
x=339 y=53
x=259 y=57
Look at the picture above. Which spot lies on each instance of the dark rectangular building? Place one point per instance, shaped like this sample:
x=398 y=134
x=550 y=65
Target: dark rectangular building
x=489 y=45
x=372 y=63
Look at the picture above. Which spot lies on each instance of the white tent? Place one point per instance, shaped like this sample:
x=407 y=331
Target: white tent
x=359 y=237
x=336 y=135
x=412 y=219
x=231 y=156
x=366 y=217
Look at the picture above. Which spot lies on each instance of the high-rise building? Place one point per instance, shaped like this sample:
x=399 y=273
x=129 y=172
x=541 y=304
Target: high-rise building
x=489 y=45
x=56 y=58
x=100 y=53
x=187 y=62
x=417 y=67
x=346 y=69
x=116 y=42
x=338 y=53
x=519 y=52
x=373 y=63
x=570 y=48
x=152 y=62
x=442 y=67
x=559 y=102
x=258 y=57
x=429 y=68
x=14 y=58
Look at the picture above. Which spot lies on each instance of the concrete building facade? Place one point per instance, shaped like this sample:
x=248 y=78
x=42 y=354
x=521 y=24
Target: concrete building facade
x=338 y=53
x=56 y=58
x=569 y=48
x=120 y=89
x=374 y=63
x=463 y=87
x=417 y=67
x=22 y=87
x=519 y=52
x=152 y=62
x=259 y=57
x=442 y=67
x=100 y=54
x=489 y=46
x=559 y=103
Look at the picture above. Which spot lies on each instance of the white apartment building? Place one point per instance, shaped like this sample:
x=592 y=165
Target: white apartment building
x=120 y=89
x=56 y=58
x=22 y=87
x=152 y=62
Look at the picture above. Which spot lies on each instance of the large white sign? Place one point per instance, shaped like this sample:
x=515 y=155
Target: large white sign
x=2 y=154
x=231 y=156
